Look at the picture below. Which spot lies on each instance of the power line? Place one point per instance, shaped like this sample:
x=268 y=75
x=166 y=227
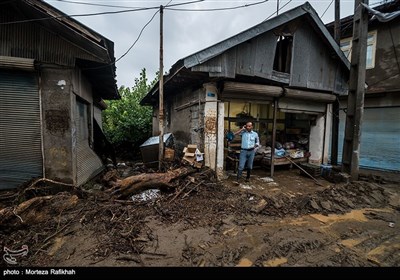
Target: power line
x=278 y=10
x=78 y=15
x=97 y=14
x=94 y=4
x=330 y=4
x=138 y=37
x=117 y=6
x=217 y=9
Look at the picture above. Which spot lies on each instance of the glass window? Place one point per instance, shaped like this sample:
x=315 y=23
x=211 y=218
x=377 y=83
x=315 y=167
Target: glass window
x=346 y=45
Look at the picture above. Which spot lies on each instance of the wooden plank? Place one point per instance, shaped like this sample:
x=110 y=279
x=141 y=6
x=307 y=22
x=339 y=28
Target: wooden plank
x=265 y=53
x=245 y=57
x=300 y=57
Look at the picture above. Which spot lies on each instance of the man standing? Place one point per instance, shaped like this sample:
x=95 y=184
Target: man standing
x=250 y=141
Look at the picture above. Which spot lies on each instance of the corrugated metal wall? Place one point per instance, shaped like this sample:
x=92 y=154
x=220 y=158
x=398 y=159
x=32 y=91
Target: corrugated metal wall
x=20 y=133
x=30 y=40
x=88 y=163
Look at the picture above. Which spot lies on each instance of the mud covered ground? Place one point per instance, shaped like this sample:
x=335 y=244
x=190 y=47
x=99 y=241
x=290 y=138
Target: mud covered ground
x=288 y=221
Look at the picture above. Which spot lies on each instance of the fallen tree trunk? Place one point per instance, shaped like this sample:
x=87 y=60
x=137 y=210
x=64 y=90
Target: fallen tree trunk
x=36 y=210
x=138 y=183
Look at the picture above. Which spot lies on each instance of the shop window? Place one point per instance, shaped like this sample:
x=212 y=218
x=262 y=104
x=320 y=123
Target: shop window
x=346 y=46
x=283 y=54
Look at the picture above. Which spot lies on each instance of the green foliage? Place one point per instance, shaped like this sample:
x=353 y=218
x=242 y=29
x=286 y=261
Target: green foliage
x=125 y=120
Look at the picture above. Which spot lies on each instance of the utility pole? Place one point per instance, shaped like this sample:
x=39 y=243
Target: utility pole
x=335 y=106
x=277 y=7
x=355 y=103
x=161 y=97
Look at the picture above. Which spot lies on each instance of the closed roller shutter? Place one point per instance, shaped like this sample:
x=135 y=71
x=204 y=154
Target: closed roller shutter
x=20 y=133
x=243 y=91
x=88 y=163
x=380 y=142
x=290 y=105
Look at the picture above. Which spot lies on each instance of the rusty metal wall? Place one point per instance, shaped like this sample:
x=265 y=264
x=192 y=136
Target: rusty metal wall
x=20 y=133
x=30 y=40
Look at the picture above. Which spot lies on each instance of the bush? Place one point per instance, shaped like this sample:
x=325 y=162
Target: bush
x=125 y=121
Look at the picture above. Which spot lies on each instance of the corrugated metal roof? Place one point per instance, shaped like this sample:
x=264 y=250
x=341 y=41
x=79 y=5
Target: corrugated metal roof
x=156 y=139
x=41 y=44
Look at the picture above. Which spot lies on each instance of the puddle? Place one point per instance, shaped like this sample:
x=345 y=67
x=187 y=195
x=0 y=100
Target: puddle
x=350 y=243
x=275 y=262
x=244 y=263
x=357 y=215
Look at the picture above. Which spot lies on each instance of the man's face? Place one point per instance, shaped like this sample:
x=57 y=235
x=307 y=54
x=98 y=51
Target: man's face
x=249 y=126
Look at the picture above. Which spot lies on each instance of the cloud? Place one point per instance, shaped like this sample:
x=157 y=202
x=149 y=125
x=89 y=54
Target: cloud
x=184 y=32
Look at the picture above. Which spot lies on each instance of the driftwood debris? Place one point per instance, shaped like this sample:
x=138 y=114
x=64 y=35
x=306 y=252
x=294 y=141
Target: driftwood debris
x=138 y=183
x=37 y=209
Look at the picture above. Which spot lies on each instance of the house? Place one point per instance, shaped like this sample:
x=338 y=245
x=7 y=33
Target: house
x=380 y=130
x=54 y=75
x=283 y=74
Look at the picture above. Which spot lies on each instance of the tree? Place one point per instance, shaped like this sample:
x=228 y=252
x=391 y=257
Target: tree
x=125 y=120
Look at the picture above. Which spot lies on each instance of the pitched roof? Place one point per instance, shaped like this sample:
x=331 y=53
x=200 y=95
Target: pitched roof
x=265 y=26
x=306 y=8
x=74 y=31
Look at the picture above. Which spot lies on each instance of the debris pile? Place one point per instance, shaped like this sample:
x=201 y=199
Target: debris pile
x=331 y=200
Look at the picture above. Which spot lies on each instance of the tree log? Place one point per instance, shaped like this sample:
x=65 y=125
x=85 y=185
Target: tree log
x=138 y=183
x=36 y=210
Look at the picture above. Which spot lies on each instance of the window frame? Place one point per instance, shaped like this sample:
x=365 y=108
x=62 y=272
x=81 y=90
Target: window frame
x=373 y=43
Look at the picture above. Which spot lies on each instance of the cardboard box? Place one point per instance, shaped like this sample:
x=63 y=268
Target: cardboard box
x=169 y=154
x=190 y=153
x=198 y=164
x=193 y=155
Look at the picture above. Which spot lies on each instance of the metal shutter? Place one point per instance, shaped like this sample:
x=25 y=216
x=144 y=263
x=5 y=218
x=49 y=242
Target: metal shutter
x=380 y=142
x=88 y=163
x=20 y=133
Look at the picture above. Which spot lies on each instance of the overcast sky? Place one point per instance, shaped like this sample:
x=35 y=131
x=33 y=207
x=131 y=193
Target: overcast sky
x=185 y=32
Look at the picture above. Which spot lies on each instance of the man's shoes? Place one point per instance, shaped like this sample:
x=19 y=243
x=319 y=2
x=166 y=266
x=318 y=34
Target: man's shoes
x=247 y=180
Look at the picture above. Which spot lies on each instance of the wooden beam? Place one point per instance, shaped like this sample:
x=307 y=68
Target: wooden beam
x=274 y=136
x=355 y=101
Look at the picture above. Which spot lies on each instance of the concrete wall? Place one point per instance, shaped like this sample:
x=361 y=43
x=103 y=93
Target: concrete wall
x=154 y=120
x=316 y=143
x=385 y=76
x=210 y=125
x=328 y=133
x=220 y=140
x=57 y=124
x=184 y=118
x=389 y=99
